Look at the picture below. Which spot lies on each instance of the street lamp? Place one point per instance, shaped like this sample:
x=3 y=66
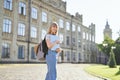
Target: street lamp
x=113 y=47
x=105 y=45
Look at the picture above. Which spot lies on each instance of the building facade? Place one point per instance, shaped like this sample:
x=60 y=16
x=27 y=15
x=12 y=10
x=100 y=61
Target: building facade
x=24 y=23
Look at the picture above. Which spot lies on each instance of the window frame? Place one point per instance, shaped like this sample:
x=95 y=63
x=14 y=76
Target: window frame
x=33 y=32
x=21 y=29
x=44 y=16
x=34 y=13
x=8 y=4
x=22 y=8
x=67 y=40
x=33 y=56
x=5 y=50
x=61 y=23
x=21 y=52
x=7 y=25
x=43 y=33
x=61 y=38
x=73 y=28
x=67 y=26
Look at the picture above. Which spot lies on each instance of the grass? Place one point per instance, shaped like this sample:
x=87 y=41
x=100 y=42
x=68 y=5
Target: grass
x=104 y=71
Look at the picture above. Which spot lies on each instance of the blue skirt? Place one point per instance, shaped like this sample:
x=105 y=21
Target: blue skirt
x=51 y=61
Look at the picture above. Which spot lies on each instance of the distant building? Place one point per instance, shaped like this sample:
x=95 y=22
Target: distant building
x=24 y=23
x=107 y=31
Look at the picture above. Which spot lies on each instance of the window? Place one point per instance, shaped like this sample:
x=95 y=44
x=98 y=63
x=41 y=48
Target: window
x=44 y=17
x=68 y=55
x=73 y=41
x=73 y=27
x=79 y=56
x=86 y=36
x=21 y=29
x=93 y=39
x=5 y=50
x=22 y=8
x=33 y=32
x=73 y=56
x=61 y=23
x=78 y=28
x=43 y=34
x=79 y=41
x=34 y=13
x=84 y=47
x=33 y=56
x=61 y=38
x=83 y=35
x=90 y=36
x=68 y=40
x=79 y=45
x=8 y=4
x=67 y=26
x=21 y=50
x=7 y=26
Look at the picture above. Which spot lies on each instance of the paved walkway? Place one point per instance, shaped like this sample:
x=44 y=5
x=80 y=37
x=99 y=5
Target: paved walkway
x=38 y=72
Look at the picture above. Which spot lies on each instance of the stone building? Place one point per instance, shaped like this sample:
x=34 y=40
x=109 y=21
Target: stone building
x=24 y=23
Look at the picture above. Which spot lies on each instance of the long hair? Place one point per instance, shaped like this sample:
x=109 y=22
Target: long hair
x=53 y=24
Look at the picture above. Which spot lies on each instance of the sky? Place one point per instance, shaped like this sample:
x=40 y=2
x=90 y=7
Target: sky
x=97 y=12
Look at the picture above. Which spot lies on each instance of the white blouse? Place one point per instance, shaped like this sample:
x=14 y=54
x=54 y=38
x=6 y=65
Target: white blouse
x=52 y=39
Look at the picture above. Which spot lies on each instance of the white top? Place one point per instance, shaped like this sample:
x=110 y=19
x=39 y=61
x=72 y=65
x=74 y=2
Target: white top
x=52 y=39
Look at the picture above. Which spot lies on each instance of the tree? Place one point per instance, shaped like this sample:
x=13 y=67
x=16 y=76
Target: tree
x=106 y=49
x=112 y=61
x=117 y=51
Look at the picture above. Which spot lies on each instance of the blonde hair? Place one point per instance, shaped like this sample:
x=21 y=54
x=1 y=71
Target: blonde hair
x=53 y=24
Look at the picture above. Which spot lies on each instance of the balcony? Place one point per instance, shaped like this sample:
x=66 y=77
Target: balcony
x=22 y=17
x=21 y=38
x=8 y=13
x=7 y=36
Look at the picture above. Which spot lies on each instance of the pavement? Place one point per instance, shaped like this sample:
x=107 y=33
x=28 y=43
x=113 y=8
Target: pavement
x=65 y=71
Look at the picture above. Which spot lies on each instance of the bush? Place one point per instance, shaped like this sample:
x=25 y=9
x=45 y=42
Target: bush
x=112 y=61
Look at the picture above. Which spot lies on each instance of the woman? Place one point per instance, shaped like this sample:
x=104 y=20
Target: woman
x=53 y=42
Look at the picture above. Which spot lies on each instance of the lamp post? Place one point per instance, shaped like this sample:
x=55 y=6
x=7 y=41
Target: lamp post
x=105 y=45
x=113 y=47
x=112 y=61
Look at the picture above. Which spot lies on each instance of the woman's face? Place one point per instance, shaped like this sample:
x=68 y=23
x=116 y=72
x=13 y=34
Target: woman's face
x=53 y=29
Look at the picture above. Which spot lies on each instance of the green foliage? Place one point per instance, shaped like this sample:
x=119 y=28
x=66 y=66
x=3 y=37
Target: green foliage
x=106 y=49
x=108 y=41
x=117 y=51
x=112 y=61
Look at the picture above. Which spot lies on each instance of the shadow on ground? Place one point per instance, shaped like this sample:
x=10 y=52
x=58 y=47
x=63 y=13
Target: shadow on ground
x=118 y=73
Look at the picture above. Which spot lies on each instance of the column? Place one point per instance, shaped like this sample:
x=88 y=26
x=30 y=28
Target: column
x=14 y=28
x=1 y=24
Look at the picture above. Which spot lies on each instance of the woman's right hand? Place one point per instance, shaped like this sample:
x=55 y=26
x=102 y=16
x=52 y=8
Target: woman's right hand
x=58 y=50
x=57 y=41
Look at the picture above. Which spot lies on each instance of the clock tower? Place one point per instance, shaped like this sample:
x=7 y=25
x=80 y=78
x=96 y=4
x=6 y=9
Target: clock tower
x=107 y=31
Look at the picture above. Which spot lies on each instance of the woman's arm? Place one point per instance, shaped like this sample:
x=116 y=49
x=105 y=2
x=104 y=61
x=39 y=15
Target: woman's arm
x=58 y=50
x=50 y=45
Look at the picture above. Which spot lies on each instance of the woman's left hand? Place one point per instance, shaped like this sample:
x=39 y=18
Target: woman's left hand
x=58 y=50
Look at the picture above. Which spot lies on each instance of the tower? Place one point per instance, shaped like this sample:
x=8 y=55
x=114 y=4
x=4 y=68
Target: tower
x=107 y=31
